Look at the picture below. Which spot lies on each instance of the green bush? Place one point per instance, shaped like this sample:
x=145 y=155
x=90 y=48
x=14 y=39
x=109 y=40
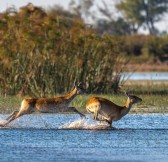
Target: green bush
x=42 y=55
x=146 y=46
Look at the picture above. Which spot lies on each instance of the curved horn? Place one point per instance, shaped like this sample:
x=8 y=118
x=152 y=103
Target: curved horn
x=79 y=84
x=75 y=83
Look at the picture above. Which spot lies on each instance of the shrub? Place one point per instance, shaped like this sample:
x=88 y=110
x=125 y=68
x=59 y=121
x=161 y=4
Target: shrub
x=43 y=55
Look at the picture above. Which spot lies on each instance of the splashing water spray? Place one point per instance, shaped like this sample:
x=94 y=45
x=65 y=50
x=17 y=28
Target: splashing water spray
x=85 y=123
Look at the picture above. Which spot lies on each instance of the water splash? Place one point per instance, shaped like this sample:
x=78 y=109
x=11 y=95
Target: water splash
x=3 y=122
x=85 y=123
x=60 y=122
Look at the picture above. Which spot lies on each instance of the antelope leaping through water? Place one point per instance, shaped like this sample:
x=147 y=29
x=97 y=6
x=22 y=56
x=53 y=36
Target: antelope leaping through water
x=108 y=110
x=48 y=105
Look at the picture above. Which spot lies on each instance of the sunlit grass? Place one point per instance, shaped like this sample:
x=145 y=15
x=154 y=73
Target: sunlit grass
x=150 y=104
x=155 y=100
x=9 y=104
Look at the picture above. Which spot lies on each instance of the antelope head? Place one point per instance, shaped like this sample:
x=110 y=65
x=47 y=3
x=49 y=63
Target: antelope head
x=133 y=99
x=79 y=88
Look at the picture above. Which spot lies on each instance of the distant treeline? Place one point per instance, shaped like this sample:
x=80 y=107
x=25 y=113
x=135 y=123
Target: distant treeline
x=43 y=55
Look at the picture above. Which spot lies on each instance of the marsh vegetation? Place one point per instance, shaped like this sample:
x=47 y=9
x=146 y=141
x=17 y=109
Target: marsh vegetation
x=43 y=53
x=154 y=100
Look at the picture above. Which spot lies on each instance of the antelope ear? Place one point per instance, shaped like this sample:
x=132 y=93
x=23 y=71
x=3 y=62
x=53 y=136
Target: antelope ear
x=127 y=93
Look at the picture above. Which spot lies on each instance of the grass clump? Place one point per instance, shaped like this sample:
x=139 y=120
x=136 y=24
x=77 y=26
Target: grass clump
x=154 y=99
x=152 y=103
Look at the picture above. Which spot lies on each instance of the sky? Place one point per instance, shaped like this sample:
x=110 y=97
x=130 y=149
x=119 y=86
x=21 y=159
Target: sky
x=4 y=4
x=42 y=3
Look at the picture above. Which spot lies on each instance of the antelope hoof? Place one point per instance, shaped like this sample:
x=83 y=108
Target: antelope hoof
x=3 y=123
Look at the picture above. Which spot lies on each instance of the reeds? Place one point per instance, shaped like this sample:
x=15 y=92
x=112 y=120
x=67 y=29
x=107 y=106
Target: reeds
x=43 y=56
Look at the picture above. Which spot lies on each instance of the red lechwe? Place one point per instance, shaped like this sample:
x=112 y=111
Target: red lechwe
x=108 y=110
x=48 y=105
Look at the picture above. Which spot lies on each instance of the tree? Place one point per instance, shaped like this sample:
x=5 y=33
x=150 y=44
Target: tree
x=143 y=12
x=81 y=8
x=114 y=27
x=109 y=23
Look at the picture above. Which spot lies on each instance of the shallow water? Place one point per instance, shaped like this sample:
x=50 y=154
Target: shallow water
x=145 y=75
x=138 y=138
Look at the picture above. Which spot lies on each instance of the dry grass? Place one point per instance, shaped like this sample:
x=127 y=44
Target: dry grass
x=146 y=67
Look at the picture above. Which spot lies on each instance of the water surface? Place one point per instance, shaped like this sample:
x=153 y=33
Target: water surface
x=145 y=75
x=47 y=137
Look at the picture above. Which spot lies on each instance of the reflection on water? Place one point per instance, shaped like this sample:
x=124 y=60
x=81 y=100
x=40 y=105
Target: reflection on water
x=39 y=138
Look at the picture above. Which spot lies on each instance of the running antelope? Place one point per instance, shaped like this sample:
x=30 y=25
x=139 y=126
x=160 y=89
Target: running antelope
x=108 y=110
x=48 y=105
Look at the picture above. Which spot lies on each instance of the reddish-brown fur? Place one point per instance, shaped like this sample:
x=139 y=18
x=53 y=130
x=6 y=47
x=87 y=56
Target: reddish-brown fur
x=108 y=110
x=48 y=105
